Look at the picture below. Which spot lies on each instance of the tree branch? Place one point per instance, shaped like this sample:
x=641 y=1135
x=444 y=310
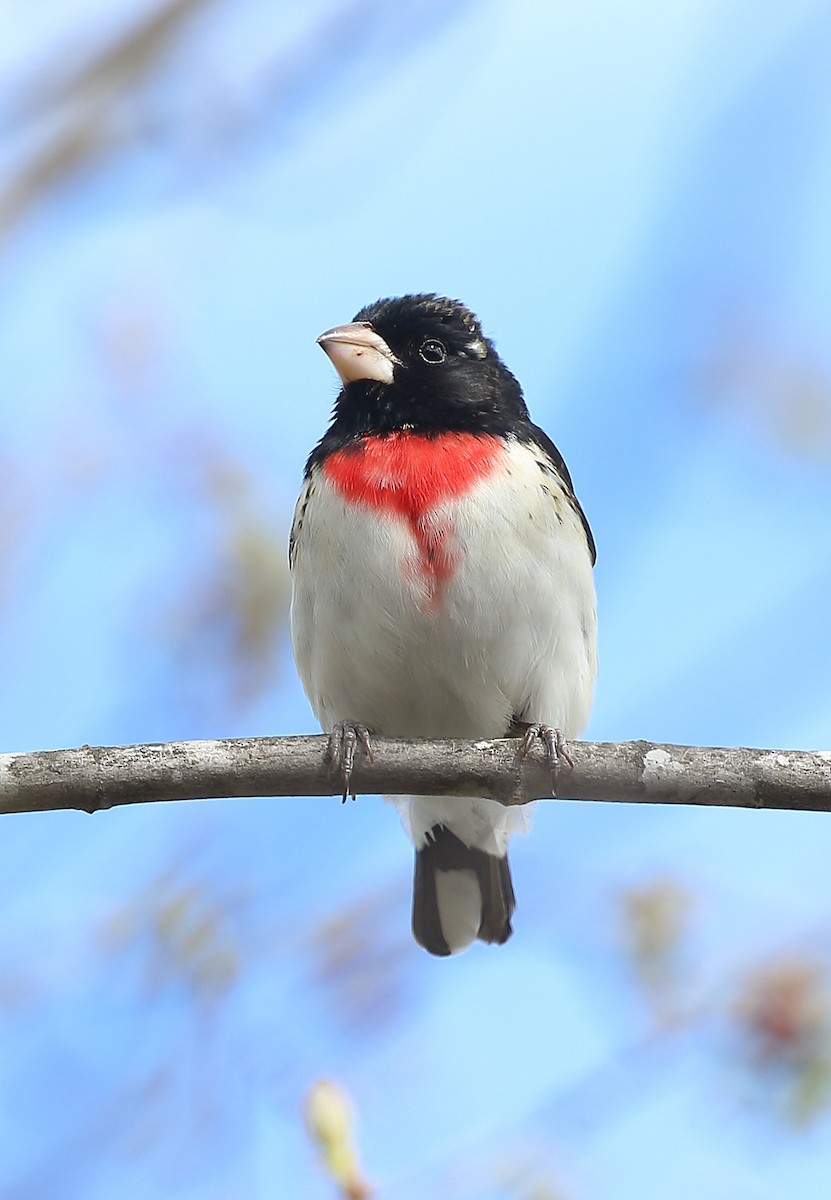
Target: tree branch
x=99 y=777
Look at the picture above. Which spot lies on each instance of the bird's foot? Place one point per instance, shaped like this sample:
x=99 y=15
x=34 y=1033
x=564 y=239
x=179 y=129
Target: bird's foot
x=344 y=740
x=556 y=750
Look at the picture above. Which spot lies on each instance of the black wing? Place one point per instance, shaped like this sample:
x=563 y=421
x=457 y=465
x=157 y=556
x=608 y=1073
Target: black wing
x=541 y=439
x=299 y=513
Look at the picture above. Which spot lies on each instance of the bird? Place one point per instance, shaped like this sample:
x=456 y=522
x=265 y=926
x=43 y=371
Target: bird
x=442 y=585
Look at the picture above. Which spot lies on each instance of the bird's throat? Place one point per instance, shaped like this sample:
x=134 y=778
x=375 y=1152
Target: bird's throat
x=412 y=473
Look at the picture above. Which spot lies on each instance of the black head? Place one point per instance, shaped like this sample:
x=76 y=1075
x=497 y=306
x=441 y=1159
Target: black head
x=422 y=363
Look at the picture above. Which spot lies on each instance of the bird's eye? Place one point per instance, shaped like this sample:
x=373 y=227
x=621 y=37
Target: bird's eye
x=432 y=351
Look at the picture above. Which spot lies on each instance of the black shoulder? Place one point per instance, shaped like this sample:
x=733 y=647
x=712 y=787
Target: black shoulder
x=541 y=439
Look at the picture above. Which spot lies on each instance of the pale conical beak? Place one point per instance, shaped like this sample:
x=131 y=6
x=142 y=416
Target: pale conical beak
x=358 y=352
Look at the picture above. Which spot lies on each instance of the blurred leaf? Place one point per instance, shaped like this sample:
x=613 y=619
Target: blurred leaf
x=186 y=935
x=227 y=628
x=329 y=1120
x=358 y=961
x=783 y=1006
x=655 y=924
x=783 y=1018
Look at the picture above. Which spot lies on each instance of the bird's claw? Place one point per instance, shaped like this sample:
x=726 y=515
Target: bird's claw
x=344 y=739
x=555 y=747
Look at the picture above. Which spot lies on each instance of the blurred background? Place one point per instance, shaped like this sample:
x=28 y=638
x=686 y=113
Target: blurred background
x=635 y=199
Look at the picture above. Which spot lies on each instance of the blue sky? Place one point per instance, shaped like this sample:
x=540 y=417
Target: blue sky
x=634 y=201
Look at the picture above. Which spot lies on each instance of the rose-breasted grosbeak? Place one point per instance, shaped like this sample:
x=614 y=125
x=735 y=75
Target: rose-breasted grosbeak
x=442 y=582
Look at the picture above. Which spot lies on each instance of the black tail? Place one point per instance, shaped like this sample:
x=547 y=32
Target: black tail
x=459 y=894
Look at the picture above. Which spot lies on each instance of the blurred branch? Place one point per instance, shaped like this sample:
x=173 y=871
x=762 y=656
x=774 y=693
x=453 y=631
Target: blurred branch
x=85 y=106
x=117 y=66
x=165 y=79
x=99 y=777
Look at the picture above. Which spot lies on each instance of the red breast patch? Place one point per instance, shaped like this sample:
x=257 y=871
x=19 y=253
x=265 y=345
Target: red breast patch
x=410 y=474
